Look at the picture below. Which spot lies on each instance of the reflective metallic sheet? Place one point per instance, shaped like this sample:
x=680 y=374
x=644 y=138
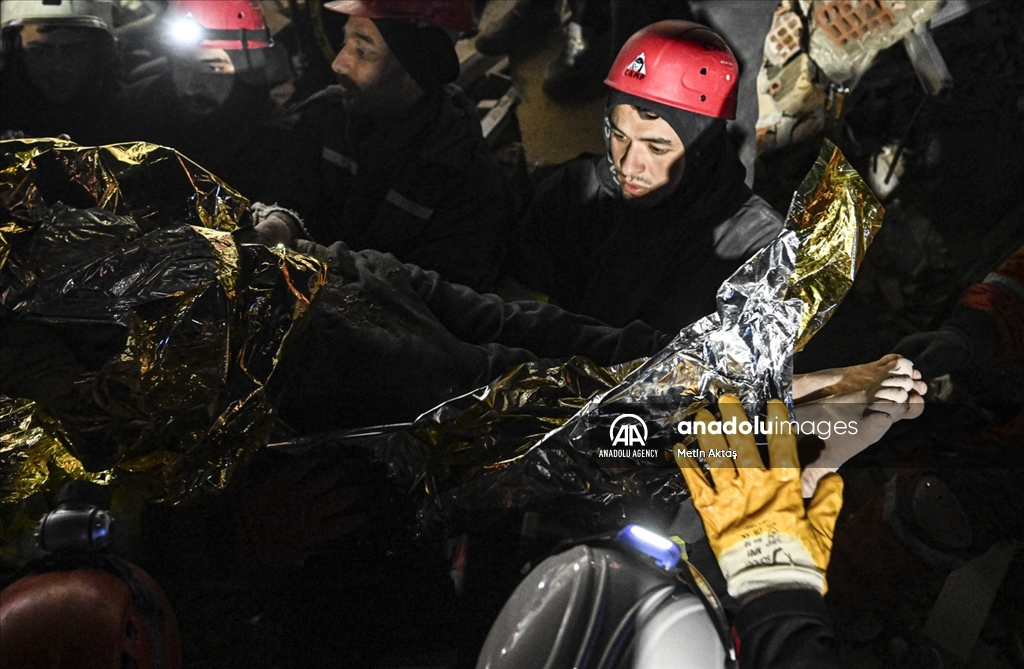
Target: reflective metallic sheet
x=120 y=261
x=533 y=437
x=836 y=217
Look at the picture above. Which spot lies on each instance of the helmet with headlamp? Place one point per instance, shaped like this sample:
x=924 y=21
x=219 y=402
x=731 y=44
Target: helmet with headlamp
x=226 y=24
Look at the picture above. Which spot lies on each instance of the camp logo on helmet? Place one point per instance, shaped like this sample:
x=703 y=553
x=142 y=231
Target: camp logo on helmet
x=638 y=68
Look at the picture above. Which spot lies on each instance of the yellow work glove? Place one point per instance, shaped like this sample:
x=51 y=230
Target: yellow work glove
x=754 y=517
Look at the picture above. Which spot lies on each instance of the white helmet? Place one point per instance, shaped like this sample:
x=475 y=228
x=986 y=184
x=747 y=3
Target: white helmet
x=608 y=607
x=73 y=13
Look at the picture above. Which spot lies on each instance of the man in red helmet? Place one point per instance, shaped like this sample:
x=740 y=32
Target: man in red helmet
x=392 y=158
x=650 y=230
x=213 y=103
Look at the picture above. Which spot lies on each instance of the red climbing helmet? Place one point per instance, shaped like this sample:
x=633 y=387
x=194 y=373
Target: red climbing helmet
x=88 y=617
x=680 y=64
x=225 y=24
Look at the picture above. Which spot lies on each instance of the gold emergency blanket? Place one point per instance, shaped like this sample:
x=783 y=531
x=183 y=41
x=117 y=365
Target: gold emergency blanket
x=551 y=438
x=147 y=336
x=836 y=217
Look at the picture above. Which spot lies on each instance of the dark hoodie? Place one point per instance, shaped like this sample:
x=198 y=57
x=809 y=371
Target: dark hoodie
x=423 y=187
x=235 y=142
x=88 y=119
x=596 y=254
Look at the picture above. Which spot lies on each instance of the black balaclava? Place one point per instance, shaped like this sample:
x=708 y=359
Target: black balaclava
x=696 y=131
x=425 y=51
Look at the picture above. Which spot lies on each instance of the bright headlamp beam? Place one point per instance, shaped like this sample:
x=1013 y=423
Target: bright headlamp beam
x=186 y=31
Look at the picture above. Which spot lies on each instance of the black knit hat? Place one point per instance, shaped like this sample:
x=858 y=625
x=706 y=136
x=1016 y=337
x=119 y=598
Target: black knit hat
x=694 y=129
x=425 y=51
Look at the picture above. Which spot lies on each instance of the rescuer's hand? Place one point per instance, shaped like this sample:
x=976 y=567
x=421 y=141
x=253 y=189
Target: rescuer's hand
x=754 y=517
x=939 y=352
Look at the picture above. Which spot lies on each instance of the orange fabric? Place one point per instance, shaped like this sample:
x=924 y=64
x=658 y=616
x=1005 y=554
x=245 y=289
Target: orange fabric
x=1003 y=304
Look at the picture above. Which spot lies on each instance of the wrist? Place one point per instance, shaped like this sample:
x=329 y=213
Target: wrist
x=767 y=562
x=748 y=598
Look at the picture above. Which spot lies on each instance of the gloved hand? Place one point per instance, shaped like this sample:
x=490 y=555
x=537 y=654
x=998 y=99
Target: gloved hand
x=754 y=517
x=939 y=352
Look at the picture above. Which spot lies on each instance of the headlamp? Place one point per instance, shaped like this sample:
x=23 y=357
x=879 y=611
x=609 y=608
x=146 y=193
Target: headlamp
x=186 y=30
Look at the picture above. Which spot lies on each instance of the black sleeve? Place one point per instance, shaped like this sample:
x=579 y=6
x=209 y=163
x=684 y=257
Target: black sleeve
x=294 y=179
x=544 y=247
x=543 y=329
x=789 y=629
x=466 y=236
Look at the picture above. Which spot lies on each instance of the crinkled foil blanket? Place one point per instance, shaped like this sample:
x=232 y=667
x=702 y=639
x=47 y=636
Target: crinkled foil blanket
x=533 y=438
x=154 y=338
x=130 y=309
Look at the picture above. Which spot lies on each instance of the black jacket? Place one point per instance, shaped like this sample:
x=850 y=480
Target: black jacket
x=389 y=341
x=423 y=187
x=788 y=629
x=594 y=253
x=237 y=143
x=90 y=119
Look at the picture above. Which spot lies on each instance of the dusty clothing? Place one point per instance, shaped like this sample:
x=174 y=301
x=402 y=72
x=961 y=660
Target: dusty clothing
x=423 y=187
x=237 y=143
x=388 y=341
x=594 y=253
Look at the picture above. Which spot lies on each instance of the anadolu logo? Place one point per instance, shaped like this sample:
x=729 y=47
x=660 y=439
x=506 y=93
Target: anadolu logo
x=638 y=68
x=628 y=430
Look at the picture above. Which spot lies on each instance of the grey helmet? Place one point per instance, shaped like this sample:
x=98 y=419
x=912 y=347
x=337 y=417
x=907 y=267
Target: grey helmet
x=609 y=606
x=72 y=13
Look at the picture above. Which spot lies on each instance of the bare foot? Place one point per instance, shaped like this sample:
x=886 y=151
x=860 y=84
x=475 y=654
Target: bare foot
x=873 y=396
x=891 y=371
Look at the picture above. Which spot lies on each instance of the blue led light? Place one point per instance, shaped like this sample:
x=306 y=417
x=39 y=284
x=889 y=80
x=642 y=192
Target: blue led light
x=665 y=553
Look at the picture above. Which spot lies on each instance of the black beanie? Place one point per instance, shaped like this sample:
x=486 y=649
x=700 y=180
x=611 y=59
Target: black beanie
x=425 y=51
x=694 y=129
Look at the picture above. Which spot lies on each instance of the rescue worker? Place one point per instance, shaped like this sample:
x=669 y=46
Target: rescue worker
x=210 y=104
x=60 y=69
x=651 y=229
x=392 y=158
x=959 y=497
